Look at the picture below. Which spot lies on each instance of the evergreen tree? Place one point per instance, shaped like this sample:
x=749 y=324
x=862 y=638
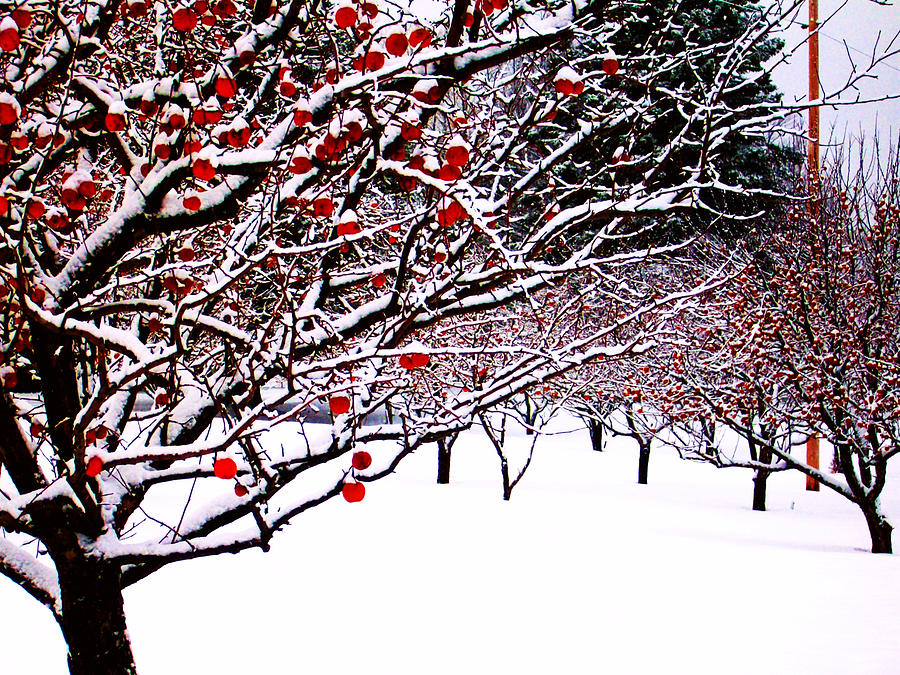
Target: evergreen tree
x=635 y=145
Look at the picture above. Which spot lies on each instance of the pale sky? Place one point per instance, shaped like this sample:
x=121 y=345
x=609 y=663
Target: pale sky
x=857 y=24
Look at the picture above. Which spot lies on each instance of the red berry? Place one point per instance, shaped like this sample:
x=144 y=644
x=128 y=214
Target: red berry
x=87 y=188
x=226 y=87
x=58 y=221
x=353 y=492
x=413 y=361
x=396 y=44
x=300 y=165
x=240 y=490
x=374 y=60
x=458 y=155
x=115 y=122
x=564 y=87
x=22 y=17
x=345 y=16
x=287 y=88
x=224 y=8
x=203 y=169
x=410 y=132
x=137 y=8
x=225 y=468
x=339 y=404
x=184 y=19
x=9 y=40
x=323 y=207
x=420 y=37
x=344 y=229
x=192 y=203
x=362 y=460
x=94 y=467
x=449 y=173
x=8 y=113
x=610 y=66
x=35 y=209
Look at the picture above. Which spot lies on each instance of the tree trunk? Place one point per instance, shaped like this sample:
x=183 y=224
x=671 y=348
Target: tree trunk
x=595 y=429
x=93 y=617
x=879 y=529
x=504 y=471
x=708 y=434
x=759 y=481
x=444 y=446
x=643 y=460
x=759 y=490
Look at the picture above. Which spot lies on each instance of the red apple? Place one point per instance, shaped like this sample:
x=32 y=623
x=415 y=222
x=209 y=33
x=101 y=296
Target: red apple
x=203 y=169
x=94 y=467
x=353 y=492
x=184 y=19
x=345 y=16
x=339 y=404
x=396 y=44
x=225 y=468
x=362 y=460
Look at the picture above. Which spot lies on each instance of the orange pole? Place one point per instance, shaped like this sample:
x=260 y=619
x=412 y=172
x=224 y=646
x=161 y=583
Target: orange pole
x=813 y=150
x=812 y=459
x=812 y=443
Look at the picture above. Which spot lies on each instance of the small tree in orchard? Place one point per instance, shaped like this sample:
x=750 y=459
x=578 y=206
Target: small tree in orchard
x=806 y=341
x=531 y=412
x=709 y=382
x=218 y=216
x=630 y=397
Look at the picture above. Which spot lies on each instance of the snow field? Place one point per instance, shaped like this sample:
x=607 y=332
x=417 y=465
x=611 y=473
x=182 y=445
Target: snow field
x=583 y=571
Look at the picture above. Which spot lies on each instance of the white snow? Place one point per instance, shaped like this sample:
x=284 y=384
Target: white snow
x=583 y=571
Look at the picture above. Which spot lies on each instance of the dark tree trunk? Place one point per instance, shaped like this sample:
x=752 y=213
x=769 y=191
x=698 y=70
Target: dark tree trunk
x=595 y=429
x=530 y=416
x=879 y=529
x=93 y=617
x=504 y=471
x=708 y=434
x=444 y=447
x=759 y=481
x=643 y=460
x=759 y=490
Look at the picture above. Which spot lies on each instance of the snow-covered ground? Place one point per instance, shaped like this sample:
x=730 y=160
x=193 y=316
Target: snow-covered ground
x=583 y=571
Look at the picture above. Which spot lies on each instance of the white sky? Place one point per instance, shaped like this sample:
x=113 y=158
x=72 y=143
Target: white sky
x=853 y=31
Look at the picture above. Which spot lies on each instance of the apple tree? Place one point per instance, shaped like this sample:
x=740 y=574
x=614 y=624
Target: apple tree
x=221 y=217
x=804 y=342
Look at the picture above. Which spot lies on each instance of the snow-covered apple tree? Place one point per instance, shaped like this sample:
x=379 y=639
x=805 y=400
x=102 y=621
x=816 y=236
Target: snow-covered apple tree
x=804 y=343
x=222 y=216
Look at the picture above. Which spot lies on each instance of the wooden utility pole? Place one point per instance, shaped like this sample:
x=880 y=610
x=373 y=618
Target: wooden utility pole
x=812 y=444
x=813 y=151
x=812 y=459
